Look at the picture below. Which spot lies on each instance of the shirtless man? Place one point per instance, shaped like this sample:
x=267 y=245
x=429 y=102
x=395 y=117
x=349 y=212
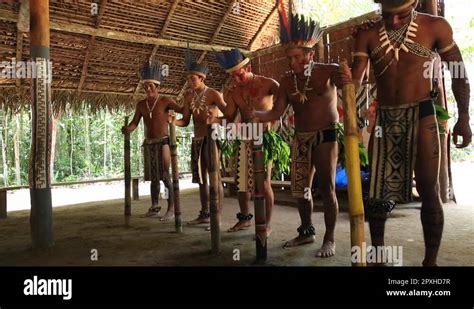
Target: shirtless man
x=198 y=102
x=401 y=46
x=247 y=93
x=154 y=111
x=308 y=87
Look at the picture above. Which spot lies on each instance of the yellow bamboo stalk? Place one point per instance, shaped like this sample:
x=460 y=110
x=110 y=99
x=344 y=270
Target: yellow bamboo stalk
x=354 y=188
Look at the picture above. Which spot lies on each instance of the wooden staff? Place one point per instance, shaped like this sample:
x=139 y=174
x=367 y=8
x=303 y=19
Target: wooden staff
x=175 y=175
x=41 y=220
x=354 y=187
x=214 y=180
x=259 y=204
x=128 y=174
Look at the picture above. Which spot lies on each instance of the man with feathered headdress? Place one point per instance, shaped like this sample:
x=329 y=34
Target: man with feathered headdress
x=310 y=89
x=154 y=111
x=248 y=92
x=198 y=102
x=402 y=46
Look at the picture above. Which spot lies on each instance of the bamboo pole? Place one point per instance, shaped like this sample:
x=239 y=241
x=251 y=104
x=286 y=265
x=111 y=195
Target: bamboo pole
x=175 y=174
x=354 y=188
x=259 y=204
x=128 y=173
x=41 y=218
x=214 y=180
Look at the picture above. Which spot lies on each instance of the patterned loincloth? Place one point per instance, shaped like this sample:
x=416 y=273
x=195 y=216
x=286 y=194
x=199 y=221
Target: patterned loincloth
x=197 y=148
x=395 y=150
x=153 y=163
x=301 y=166
x=244 y=173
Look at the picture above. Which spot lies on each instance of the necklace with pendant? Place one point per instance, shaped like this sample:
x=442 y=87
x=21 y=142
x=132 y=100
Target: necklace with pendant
x=302 y=95
x=197 y=101
x=401 y=37
x=151 y=110
x=248 y=100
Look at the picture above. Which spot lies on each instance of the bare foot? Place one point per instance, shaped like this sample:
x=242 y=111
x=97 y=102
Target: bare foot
x=327 y=249
x=199 y=220
x=168 y=216
x=299 y=240
x=241 y=225
x=153 y=211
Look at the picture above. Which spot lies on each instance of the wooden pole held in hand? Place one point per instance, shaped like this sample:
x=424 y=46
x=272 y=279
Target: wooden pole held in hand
x=175 y=175
x=214 y=182
x=259 y=204
x=354 y=188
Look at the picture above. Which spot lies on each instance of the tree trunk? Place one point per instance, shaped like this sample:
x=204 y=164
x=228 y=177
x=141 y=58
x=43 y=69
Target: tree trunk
x=4 y=152
x=7 y=153
x=87 y=142
x=54 y=129
x=71 y=136
x=105 y=143
x=16 y=145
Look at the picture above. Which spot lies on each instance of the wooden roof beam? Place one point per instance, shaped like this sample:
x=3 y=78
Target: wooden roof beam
x=263 y=26
x=162 y=33
x=6 y=15
x=103 y=4
x=214 y=36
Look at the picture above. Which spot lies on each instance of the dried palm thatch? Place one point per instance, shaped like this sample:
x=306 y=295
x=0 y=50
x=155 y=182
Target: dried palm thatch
x=97 y=55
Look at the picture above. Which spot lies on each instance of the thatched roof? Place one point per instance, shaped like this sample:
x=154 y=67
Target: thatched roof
x=98 y=57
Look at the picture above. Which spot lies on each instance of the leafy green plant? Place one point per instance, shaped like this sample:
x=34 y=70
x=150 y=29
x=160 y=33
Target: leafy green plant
x=442 y=115
x=277 y=150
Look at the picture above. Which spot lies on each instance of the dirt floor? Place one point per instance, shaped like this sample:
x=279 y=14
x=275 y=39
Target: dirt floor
x=148 y=242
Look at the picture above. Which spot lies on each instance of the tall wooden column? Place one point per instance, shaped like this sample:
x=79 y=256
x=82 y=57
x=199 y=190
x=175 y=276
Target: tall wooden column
x=41 y=218
x=127 y=173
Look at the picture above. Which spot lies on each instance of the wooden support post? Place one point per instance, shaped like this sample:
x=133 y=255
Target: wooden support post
x=127 y=172
x=354 y=188
x=41 y=220
x=3 y=204
x=135 y=187
x=214 y=184
x=175 y=175
x=259 y=204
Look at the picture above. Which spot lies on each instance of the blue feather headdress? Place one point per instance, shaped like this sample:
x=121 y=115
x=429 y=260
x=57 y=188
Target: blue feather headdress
x=298 y=31
x=231 y=60
x=192 y=66
x=152 y=72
